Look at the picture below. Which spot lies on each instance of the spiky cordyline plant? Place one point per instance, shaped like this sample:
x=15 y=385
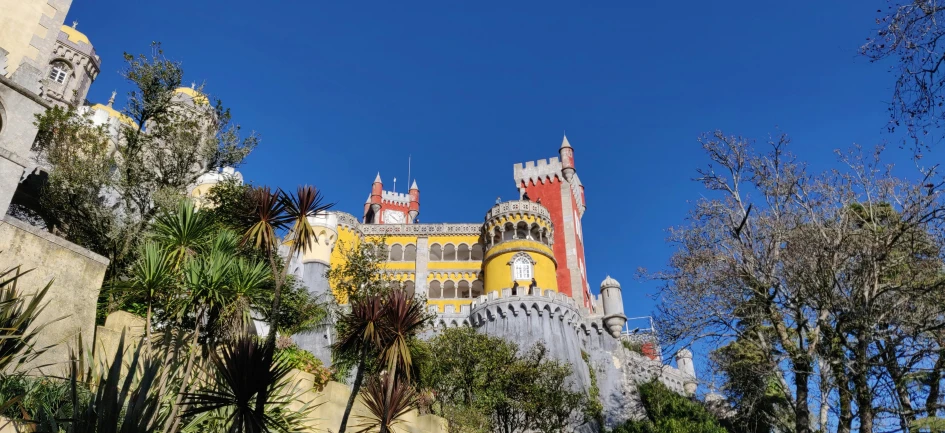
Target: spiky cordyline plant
x=278 y=211
x=387 y=399
x=380 y=326
x=246 y=392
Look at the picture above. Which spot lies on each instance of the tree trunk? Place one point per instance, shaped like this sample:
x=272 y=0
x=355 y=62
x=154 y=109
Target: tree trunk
x=276 y=299
x=802 y=372
x=355 y=387
x=935 y=377
x=844 y=407
x=906 y=410
x=864 y=396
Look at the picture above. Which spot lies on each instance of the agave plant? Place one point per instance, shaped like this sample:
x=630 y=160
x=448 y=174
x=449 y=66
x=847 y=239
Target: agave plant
x=18 y=321
x=127 y=404
x=387 y=399
x=245 y=394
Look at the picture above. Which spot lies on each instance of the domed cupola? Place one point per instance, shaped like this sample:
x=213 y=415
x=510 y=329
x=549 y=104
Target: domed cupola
x=518 y=236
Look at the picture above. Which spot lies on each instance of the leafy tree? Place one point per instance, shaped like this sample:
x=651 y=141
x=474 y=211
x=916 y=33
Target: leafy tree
x=470 y=373
x=669 y=412
x=835 y=276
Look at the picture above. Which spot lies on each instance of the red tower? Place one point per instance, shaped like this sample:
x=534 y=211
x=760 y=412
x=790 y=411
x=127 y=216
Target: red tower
x=555 y=182
x=388 y=207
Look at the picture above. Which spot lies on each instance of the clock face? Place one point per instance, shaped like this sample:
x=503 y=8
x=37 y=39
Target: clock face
x=394 y=217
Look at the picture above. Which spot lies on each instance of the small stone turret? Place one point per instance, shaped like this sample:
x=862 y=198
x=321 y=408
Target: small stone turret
x=414 y=207
x=566 y=152
x=372 y=208
x=611 y=297
x=686 y=367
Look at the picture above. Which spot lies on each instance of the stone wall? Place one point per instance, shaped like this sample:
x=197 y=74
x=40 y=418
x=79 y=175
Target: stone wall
x=76 y=276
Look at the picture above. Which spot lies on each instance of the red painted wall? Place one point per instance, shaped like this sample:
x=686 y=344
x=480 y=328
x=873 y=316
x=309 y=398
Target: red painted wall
x=579 y=242
x=550 y=195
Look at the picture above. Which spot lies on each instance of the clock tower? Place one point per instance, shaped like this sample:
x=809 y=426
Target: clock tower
x=388 y=207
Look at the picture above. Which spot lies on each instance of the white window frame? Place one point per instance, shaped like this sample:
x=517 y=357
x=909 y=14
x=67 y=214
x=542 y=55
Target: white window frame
x=58 y=73
x=523 y=267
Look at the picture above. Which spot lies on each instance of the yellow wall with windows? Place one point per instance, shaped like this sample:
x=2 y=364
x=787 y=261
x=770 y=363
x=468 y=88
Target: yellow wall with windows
x=498 y=272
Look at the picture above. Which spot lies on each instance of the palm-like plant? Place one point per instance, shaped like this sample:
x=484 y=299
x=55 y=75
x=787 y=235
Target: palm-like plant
x=182 y=232
x=278 y=211
x=247 y=280
x=152 y=274
x=387 y=400
x=359 y=334
x=244 y=394
x=381 y=326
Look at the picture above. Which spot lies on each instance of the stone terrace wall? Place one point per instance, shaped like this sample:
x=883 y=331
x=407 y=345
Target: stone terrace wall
x=326 y=406
x=77 y=276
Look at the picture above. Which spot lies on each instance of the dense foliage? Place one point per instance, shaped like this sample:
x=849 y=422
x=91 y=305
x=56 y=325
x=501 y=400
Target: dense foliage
x=483 y=383
x=669 y=412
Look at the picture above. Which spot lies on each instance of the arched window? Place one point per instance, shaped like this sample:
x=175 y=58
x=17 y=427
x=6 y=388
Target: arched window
x=497 y=237
x=449 y=289
x=396 y=253
x=544 y=237
x=477 y=252
x=434 y=291
x=522 y=267
x=535 y=232
x=464 y=289
x=409 y=287
x=58 y=71
x=463 y=252
x=436 y=253
x=410 y=253
x=477 y=288
x=449 y=252
x=521 y=230
x=509 y=232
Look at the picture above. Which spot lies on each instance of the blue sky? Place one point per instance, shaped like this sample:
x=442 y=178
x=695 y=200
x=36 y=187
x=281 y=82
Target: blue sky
x=341 y=90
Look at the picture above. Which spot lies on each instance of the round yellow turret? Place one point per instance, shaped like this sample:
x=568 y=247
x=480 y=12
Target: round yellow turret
x=518 y=236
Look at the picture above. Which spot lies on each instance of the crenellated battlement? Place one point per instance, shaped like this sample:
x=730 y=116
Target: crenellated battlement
x=537 y=171
x=395 y=197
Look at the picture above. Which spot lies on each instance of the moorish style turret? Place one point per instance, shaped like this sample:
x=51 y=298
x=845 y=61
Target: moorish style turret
x=517 y=235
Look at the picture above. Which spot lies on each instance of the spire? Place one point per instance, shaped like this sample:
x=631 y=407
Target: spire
x=414 y=186
x=111 y=101
x=564 y=142
x=75 y=24
x=378 y=178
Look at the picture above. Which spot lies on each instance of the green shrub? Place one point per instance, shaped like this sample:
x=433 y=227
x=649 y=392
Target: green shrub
x=669 y=412
x=303 y=360
x=39 y=400
x=633 y=346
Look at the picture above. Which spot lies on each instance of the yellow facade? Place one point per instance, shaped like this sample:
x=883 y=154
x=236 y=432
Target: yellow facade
x=498 y=269
x=19 y=23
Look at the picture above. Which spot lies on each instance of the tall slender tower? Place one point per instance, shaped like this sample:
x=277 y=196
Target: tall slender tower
x=556 y=183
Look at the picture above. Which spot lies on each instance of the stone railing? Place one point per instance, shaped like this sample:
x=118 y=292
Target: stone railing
x=514 y=207
x=348 y=220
